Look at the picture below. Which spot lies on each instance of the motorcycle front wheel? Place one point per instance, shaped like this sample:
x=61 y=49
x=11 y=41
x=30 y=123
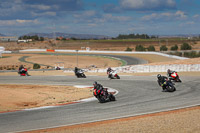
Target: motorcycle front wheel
x=101 y=99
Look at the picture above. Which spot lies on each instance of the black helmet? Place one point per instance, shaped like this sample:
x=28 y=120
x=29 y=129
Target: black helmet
x=158 y=76
x=95 y=83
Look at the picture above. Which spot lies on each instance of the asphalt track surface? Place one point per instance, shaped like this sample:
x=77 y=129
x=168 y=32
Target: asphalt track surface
x=137 y=95
x=128 y=59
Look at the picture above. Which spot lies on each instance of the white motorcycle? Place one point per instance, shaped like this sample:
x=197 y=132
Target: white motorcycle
x=113 y=75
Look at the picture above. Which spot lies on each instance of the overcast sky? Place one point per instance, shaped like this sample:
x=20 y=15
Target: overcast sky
x=101 y=17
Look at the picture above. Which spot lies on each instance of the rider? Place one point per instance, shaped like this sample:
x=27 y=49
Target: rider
x=109 y=70
x=98 y=87
x=169 y=72
x=161 y=81
x=21 y=68
x=76 y=69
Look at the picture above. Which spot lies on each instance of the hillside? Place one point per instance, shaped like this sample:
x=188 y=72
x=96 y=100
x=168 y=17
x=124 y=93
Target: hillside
x=68 y=35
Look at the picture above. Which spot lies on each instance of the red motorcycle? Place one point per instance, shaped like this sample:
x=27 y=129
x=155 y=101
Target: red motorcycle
x=103 y=95
x=174 y=76
x=23 y=72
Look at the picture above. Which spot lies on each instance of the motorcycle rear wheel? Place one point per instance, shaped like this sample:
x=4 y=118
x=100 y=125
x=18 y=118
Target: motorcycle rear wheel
x=171 y=89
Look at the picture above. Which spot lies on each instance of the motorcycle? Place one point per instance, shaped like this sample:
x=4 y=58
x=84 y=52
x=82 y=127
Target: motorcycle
x=80 y=74
x=168 y=85
x=174 y=76
x=23 y=72
x=103 y=95
x=113 y=75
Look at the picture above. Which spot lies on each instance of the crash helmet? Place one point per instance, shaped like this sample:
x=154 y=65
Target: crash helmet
x=95 y=83
x=109 y=69
x=158 y=76
x=168 y=71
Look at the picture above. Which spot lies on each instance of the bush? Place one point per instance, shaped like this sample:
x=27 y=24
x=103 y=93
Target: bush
x=192 y=54
x=36 y=66
x=151 y=48
x=186 y=46
x=139 y=48
x=128 y=49
x=174 y=48
x=163 y=48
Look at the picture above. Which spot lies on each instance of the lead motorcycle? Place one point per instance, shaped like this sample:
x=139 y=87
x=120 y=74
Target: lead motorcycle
x=103 y=95
x=174 y=77
x=168 y=85
x=23 y=72
x=113 y=75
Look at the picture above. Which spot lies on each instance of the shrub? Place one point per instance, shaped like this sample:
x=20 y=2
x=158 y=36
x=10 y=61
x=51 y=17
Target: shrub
x=186 y=46
x=36 y=66
x=174 y=48
x=192 y=54
x=163 y=48
x=139 y=48
x=128 y=49
x=151 y=48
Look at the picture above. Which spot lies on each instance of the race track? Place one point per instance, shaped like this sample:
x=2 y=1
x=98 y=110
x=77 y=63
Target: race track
x=137 y=95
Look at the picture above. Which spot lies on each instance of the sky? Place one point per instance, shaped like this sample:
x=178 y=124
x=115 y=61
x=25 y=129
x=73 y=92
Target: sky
x=100 y=17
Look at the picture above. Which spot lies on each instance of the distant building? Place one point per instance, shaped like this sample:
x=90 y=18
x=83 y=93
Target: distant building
x=26 y=40
x=8 y=39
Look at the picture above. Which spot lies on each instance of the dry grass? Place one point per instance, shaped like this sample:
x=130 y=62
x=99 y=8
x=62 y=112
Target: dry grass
x=69 y=61
x=15 y=97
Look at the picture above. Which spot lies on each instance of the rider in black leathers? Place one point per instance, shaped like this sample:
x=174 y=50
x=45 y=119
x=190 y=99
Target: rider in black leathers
x=162 y=81
x=109 y=70
x=21 y=70
x=169 y=72
x=76 y=69
x=21 y=67
x=98 y=87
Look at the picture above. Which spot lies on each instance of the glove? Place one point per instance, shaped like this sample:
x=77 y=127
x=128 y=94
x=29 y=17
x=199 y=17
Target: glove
x=163 y=84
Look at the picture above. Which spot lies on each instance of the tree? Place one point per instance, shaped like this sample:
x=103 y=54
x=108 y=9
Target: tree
x=41 y=38
x=151 y=48
x=186 y=46
x=174 y=48
x=128 y=49
x=139 y=48
x=163 y=48
x=36 y=66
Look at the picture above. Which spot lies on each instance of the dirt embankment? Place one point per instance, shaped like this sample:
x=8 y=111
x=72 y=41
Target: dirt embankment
x=16 y=97
x=109 y=45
